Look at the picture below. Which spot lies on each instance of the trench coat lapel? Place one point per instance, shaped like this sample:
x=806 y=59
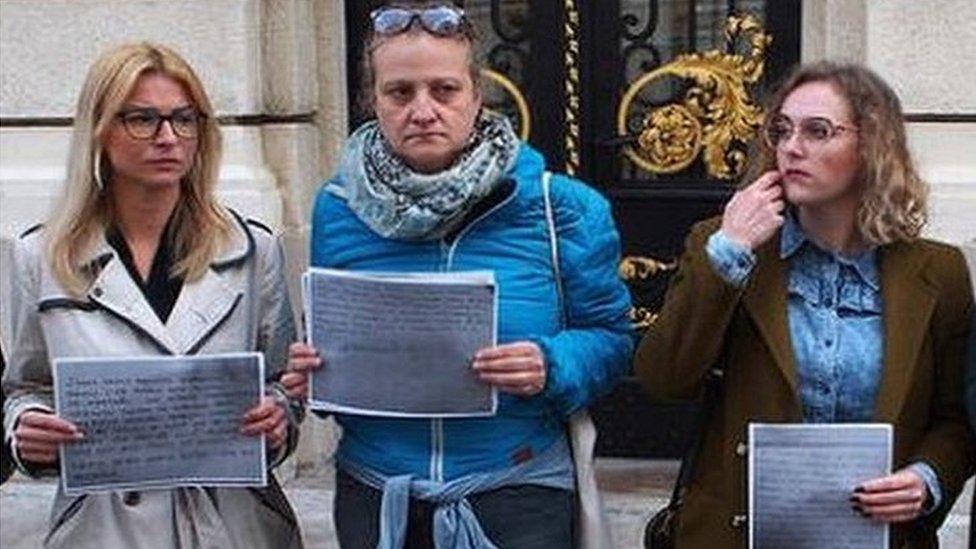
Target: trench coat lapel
x=765 y=301
x=204 y=304
x=200 y=308
x=115 y=291
x=908 y=306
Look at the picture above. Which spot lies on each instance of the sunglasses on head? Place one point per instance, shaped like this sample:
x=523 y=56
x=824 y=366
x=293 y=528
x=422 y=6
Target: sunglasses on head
x=442 y=20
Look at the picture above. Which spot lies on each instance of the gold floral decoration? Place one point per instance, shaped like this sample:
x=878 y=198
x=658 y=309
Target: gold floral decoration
x=640 y=268
x=716 y=111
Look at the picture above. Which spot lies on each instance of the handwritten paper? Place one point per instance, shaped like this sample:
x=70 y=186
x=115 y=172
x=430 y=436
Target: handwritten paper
x=800 y=479
x=400 y=344
x=160 y=422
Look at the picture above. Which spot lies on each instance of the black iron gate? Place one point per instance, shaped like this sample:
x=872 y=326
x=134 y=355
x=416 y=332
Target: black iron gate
x=654 y=102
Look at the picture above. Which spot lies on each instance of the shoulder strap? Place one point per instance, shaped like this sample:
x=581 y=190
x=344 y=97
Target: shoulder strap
x=709 y=401
x=553 y=244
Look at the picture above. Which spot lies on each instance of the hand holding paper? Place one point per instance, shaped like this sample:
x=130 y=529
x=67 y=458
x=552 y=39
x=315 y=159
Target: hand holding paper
x=267 y=418
x=899 y=497
x=518 y=368
x=302 y=359
x=40 y=433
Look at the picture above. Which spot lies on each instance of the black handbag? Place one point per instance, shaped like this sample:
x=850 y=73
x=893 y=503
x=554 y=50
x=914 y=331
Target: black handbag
x=659 y=531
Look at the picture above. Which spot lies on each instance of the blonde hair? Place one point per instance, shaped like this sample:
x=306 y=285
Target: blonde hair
x=199 y=226
x=893 y=201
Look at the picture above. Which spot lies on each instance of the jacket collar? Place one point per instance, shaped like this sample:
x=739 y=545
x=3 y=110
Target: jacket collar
x=793 y=238
x=909 y=302
x=765 y=301
x=201 y=306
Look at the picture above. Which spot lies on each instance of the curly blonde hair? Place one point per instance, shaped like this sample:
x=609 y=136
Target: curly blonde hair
x=893 y=200
x=199 y=225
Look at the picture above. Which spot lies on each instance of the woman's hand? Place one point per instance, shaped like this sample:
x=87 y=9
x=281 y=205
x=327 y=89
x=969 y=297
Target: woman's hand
x=755 y=212
x=517 y=368
x=39 y=434
x=302 y=359
x=898 y=497
x=267 y=418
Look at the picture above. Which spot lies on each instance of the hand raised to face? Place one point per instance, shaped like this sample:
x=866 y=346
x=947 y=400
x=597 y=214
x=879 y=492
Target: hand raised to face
x=755 y=212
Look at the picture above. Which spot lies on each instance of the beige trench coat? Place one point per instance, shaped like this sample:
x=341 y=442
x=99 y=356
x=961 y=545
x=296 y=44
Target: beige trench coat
x=240 y=304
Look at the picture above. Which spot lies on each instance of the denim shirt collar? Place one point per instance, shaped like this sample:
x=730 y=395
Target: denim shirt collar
x=793 y=238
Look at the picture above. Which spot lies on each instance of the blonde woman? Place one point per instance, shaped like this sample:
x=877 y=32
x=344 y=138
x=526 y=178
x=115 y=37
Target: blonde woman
x=139 y=259
x=815 y=294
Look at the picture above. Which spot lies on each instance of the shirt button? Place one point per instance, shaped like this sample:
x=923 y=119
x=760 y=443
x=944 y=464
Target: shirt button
x=738 y=521
x=131 y=498
x=97 y=292
x=741 y=449
x=828 y=342
x=828 y=302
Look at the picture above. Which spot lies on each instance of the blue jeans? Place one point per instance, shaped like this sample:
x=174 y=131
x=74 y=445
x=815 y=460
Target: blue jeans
x=520 y=517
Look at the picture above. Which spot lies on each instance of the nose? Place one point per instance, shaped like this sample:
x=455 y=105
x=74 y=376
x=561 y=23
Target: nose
x=793 y=144
x=165 y=134
x=423 y=111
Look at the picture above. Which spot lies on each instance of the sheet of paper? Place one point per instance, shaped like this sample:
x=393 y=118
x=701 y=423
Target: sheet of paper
x=801 y=477
x=160 y=422
x=400 y=344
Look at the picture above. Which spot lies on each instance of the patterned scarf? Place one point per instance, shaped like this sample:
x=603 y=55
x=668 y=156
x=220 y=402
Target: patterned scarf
x=399 y=203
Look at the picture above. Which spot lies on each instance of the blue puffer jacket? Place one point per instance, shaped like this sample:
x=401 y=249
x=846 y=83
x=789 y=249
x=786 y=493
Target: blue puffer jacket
x=511 y=239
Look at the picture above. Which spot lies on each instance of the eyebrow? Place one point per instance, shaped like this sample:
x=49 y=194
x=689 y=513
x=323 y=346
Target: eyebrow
x=408 y=82
x=137 y=107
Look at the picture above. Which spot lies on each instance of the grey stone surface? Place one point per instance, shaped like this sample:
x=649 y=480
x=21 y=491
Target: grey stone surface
x=632 y=491
x=47 y=47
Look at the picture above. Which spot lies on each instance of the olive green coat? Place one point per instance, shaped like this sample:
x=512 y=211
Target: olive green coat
x=927 y=305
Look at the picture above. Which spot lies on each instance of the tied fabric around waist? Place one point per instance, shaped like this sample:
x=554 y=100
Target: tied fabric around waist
x=455 y=524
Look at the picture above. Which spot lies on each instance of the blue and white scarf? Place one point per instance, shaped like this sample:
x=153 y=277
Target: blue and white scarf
x=399 y=203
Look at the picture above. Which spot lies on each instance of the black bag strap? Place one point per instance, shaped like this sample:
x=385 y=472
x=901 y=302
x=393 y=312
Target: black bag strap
x=710 y=395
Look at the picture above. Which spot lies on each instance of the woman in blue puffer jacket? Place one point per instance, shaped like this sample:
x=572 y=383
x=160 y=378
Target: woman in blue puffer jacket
x=439 y=184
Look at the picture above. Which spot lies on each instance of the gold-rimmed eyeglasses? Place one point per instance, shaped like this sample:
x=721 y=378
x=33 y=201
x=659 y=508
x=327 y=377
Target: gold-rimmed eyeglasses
x=814 y=131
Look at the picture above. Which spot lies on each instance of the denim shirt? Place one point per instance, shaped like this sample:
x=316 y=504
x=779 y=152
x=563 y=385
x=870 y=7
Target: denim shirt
x=834 y=307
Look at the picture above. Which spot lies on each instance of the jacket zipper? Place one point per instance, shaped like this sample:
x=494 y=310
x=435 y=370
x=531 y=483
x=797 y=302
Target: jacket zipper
x=437 y=424
x=457 y=239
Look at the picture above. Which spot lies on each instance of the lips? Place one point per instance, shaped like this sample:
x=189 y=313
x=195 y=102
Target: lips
x=425 y=135
x=794 y=172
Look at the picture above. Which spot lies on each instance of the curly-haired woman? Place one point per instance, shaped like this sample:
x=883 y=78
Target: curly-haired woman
x=823 y=305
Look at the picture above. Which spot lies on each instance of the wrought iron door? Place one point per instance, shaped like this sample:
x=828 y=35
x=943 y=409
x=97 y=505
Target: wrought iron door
x=653 y=102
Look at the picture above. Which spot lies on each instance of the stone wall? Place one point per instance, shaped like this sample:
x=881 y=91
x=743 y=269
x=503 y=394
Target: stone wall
x=927 y=52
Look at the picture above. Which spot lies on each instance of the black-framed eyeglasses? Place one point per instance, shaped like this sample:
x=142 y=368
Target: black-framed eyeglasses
x=814 y=131
x=145 y=123
x=441 y=20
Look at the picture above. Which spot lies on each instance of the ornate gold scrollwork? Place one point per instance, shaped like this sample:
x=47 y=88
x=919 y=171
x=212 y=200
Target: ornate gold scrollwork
x=571 y=62
x=642 y=318
x=716 y=110
x=525 y=116
x=640 y=268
